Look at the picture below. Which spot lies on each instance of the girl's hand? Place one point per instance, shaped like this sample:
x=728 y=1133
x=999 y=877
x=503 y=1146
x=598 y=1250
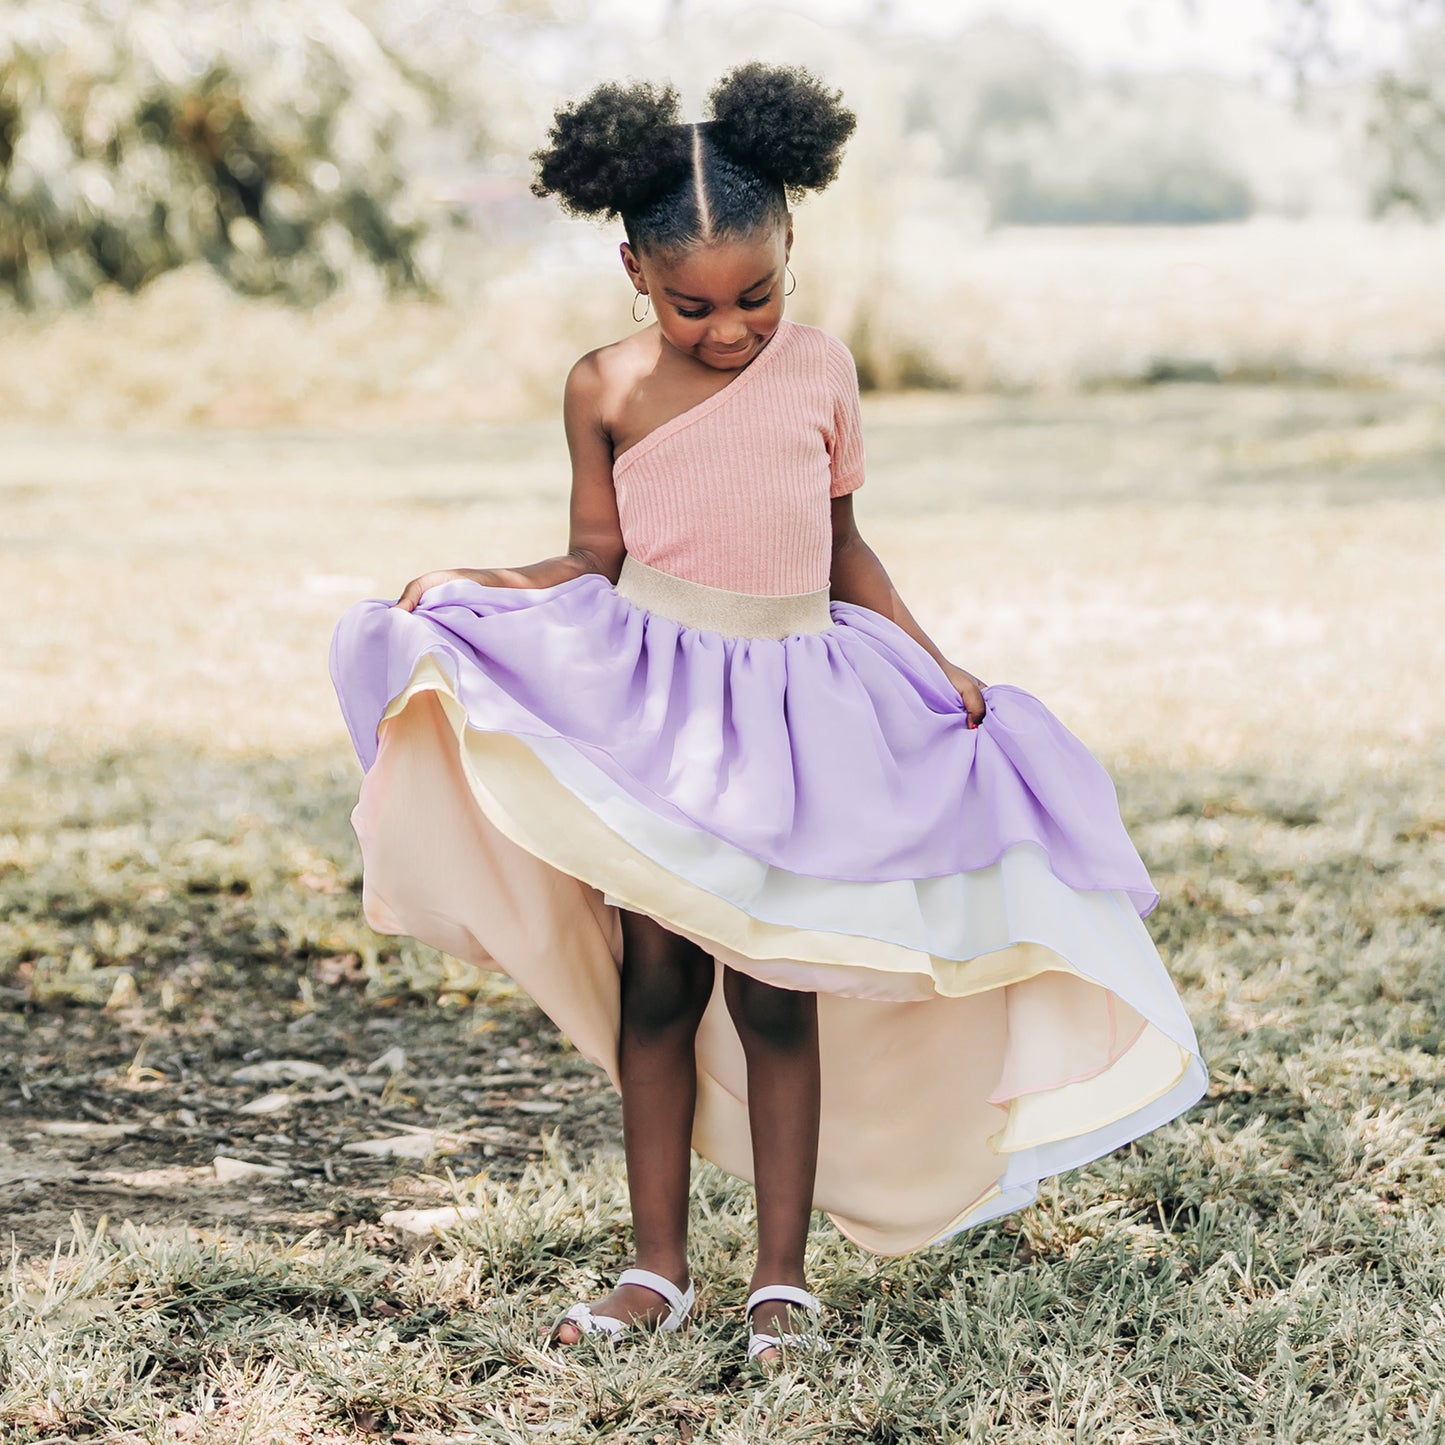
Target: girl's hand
x=970 y=689
x=411 y=594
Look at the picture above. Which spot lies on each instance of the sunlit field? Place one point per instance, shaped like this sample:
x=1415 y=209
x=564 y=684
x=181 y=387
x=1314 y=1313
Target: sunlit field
x=1190 y=575
x=1230 y=592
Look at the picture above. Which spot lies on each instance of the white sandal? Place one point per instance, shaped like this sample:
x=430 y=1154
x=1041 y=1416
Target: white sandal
x=759 y=1341
x=681 y=1302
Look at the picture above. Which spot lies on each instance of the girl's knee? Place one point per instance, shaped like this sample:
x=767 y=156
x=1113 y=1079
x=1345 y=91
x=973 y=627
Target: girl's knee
x=780 y=1018
x=666 y=980
x=669 y=1005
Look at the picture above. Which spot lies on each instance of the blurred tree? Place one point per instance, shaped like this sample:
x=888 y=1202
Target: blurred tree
x=137 y=135
x=1407 y=118
x=1409 y=129
x=1051 y=144
x=483 y=64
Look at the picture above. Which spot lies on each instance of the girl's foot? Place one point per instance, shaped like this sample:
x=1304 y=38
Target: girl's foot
x=635 y=1303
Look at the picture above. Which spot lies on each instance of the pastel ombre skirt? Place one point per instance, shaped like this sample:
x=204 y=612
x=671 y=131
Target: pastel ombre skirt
x=792 y=783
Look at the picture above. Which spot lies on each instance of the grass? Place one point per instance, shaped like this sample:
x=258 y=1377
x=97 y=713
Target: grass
x=1267 y=1270
x=1225 y=591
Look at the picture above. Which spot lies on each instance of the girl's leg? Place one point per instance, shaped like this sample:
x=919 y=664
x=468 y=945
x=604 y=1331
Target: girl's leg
x=779 y=1032
x=666 y=983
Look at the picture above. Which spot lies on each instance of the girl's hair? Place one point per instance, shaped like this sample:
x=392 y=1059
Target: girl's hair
x=776 y=132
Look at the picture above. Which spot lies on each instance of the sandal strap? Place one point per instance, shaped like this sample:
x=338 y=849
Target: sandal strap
x=759 y=1341
x=581 y=1315
x=790 y=1292
x=680 y=1300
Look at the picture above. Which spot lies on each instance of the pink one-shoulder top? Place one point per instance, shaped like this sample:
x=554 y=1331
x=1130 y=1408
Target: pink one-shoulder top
x=734 y=492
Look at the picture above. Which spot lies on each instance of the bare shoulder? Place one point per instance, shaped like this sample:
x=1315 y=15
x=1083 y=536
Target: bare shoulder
x=584 y=383
x=603 y=379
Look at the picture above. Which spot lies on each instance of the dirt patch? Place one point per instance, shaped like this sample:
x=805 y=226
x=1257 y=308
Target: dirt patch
x=110 y=1116
x=188 y=987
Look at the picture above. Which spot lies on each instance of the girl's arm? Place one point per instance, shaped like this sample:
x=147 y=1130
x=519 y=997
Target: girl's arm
x=594 y=543
x=858 y=577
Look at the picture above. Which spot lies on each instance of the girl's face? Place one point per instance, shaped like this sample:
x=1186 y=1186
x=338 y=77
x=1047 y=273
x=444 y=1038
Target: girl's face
x=717 y=303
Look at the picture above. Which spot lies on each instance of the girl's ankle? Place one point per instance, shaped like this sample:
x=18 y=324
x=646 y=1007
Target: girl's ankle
x=678 y=1272
x=788 y=1274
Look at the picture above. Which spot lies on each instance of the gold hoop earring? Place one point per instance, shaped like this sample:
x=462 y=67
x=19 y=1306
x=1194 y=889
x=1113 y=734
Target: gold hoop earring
x=645 y=309
x=791 y=278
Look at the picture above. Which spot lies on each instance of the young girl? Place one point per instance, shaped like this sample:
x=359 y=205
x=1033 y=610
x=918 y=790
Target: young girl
x=826 y=908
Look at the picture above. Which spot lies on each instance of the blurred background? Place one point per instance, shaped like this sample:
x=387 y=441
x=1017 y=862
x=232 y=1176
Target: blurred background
x=1039 y=195
x=1146 y=299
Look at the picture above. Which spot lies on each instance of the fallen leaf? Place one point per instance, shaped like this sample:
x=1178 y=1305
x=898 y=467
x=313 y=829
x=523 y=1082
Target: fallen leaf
x=281 y=1071
x=229 y=1170
x=427 y=1221
x=176 y=1176
x=85 y=1129
x=393 y=1061
x=276 y=1103
x=400 y=1146
x=123 y=993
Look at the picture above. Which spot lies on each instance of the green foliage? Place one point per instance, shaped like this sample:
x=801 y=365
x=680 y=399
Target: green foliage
x=1408 y=130
x=1406 y=115
x=141 y=134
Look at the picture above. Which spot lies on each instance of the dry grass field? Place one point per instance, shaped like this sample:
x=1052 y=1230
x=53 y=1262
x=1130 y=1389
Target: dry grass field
x=1191 y=575
x=1231 y=593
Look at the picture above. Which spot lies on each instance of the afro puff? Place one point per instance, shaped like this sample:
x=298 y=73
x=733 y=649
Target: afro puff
x=780 y=121
x=615 y=150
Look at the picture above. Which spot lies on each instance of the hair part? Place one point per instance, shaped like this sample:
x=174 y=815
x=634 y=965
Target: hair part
x=719 y=200
x=776 y=132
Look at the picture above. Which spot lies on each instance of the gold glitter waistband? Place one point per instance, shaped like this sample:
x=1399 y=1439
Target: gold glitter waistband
x=716 y=609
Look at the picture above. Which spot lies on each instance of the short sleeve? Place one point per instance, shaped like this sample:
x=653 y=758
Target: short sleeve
x=845 y=438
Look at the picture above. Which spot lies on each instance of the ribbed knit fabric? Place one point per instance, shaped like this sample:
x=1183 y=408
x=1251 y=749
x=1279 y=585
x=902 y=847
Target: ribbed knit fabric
x=733 y=492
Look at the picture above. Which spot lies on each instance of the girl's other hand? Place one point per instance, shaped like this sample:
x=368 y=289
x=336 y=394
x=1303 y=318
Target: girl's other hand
x=970 y=689
x=411 y=593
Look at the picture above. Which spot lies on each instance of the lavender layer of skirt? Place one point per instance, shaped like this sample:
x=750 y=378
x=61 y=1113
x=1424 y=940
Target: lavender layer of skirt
x=814 y=811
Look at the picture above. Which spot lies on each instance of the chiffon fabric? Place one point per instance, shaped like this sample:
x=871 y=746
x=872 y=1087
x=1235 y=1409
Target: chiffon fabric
x=795 y=787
